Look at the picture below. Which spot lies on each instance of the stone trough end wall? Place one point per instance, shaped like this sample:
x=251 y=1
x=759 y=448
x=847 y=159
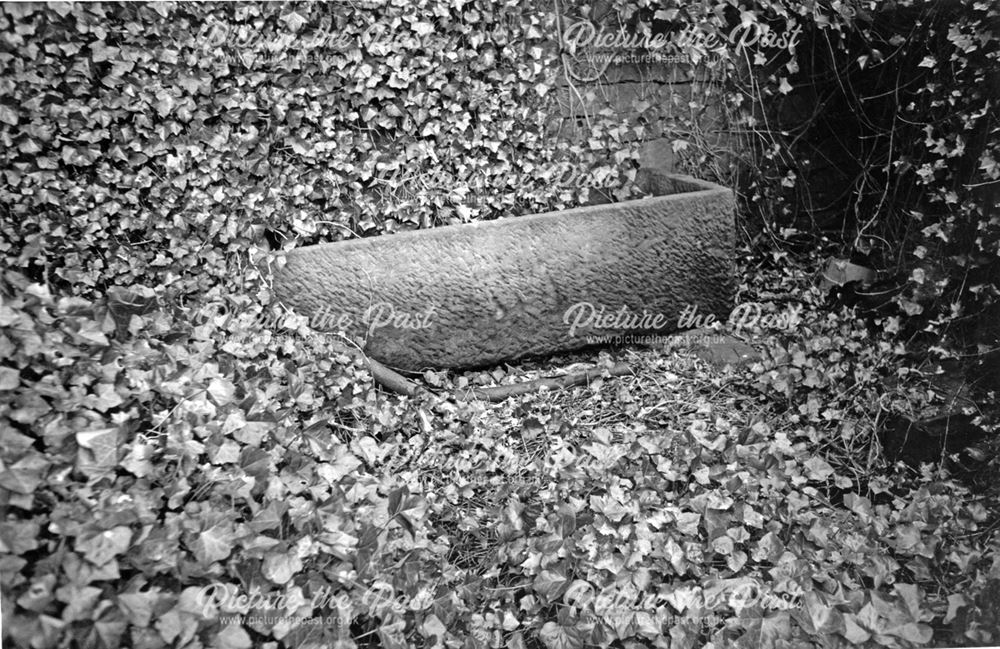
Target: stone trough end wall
x=481 y=293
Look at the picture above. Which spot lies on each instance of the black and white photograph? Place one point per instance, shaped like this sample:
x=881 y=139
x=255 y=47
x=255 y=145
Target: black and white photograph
x=500 y=324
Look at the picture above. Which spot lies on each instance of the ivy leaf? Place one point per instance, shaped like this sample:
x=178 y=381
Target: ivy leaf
x=956 y=602
x=854 y=632
x=110 y=626
x=294 y=20
x=104 y=546
x=825 y=618
x=682 y=598
x=91 y=332
x=138 y=607
x=335 y=472
x=609 y=506
x=138 y=461
x=18 y=537
x=232 y=636
x=392 y=635
x=556 y=636
x=255 y=462
x=549 y=583
x=98 y=451
x=213 y=544
x=907 y=538
x=106 y=397
x=39 y=595
x=606 y=455
x=302 y=147
x=621 y=622
x=368 y=448
x=25 y=475
x=432 y=627
x=9 y=378
x=910 y=307
x=422 y=28
x=774 y=630
x=164 y=103
x=8 y=115
x=723 y=545
x=919 y=634
x=252 y=433
x=281 y=567
x=221 y=391
x=101 y=52
x=270 y=517
x=531 y=428
x=175 y=623
x=226 y=453
x=687 y=523
x=396 y=500
x=818 y=469
x=80 y=601
x=737 y=560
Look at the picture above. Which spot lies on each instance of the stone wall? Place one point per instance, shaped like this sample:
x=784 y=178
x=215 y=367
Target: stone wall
x=657 y=96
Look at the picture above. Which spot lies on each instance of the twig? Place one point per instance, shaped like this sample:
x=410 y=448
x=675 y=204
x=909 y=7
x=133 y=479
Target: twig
x=391 y=380
x=399 y=384
x=501 y=392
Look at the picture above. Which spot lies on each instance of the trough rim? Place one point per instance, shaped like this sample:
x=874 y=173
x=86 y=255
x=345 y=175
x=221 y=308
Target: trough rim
x=707 y=189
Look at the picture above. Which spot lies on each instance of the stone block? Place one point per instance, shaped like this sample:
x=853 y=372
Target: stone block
x=481 y=293
x=658 y=154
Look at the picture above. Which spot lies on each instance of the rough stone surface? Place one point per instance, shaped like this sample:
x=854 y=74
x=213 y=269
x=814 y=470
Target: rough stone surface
x=481 y=293
x=658 y=154
x=714 y=347
x=728 y=351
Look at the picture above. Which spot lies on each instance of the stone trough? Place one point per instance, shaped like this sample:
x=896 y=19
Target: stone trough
x=481 y=293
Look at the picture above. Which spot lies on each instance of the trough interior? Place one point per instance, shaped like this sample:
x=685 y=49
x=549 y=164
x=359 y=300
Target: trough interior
x=656 y=183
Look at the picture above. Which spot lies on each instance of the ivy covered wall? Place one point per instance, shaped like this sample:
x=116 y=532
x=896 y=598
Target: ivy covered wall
x=156 y=144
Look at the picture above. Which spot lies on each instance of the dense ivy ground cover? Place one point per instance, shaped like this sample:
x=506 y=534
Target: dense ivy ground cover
x=168 y=463
x=195 y=470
